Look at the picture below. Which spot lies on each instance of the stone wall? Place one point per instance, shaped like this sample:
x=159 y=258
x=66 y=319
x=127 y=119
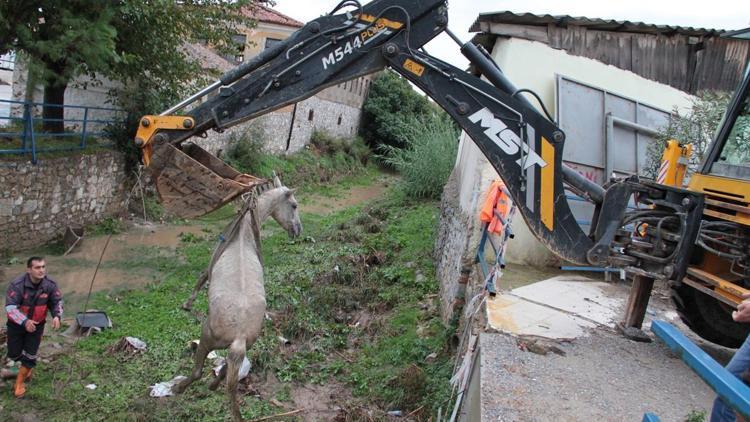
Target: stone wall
x=452 y=257
x=336 y=111
x=37 y=202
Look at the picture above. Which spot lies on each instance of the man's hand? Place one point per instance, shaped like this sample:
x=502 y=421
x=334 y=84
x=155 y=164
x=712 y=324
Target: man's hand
x=30 y=325
x=56 y=323
x=742 y=314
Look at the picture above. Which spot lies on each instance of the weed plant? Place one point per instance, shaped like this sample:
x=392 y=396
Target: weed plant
x=427 y=159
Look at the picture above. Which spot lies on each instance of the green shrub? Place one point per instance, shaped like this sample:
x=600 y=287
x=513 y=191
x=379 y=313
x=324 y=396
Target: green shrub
x=245 y=150
x=428 y=158
x=391 y=106
x=137 y=101
x=109 y=225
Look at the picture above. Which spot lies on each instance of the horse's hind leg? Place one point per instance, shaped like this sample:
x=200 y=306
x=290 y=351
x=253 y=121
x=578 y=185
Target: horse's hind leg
x=219 y=378
x=202 y=279
x=234 y=360
x=200 y=359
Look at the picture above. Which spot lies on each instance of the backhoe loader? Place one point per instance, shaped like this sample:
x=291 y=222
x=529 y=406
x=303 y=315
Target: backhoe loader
x=696 y=239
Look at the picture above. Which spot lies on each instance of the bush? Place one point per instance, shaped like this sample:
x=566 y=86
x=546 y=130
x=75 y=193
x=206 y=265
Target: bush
x=428 y=158
x=137 y=101
x=245 y=150
x=391 y=106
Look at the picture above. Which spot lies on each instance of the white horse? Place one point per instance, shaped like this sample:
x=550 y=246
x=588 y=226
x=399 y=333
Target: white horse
x=236 y=296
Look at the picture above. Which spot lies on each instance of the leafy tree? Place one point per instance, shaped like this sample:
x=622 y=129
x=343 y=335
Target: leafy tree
x=696 y=127
x=391 y=107
x=126 y=40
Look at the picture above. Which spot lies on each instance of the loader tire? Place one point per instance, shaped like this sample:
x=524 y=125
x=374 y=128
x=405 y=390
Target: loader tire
x=708 y=317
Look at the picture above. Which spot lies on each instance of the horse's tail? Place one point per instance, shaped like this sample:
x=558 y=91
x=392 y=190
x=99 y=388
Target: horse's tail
x=236 y=355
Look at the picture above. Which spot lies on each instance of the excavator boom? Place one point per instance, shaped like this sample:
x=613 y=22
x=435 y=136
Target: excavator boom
x=523 y=145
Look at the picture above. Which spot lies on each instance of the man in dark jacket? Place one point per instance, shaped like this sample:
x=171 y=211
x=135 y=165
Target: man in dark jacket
x=30 y=296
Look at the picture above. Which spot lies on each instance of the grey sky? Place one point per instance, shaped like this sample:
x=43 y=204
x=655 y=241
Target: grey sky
x=716 y=14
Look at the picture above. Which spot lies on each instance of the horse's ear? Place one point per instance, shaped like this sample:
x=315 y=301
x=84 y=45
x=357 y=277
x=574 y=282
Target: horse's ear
x=290 y=192
x=276 y=180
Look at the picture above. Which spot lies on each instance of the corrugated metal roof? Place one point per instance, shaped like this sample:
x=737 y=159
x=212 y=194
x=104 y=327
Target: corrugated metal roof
x=268 y=15
x=595 y=23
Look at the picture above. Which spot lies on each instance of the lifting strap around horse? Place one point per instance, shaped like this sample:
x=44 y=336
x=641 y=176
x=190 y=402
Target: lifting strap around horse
x=251 y=205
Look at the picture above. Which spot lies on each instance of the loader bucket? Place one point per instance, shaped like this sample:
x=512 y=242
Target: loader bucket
x=191 y=182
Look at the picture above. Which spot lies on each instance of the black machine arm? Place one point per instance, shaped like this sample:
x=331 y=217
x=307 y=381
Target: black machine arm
x=524 y=147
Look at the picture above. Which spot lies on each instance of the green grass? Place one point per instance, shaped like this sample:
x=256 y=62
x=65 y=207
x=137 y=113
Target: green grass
x=316 y=288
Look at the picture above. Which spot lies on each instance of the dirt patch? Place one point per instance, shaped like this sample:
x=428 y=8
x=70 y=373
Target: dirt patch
x=321 y=402
x=356 y=195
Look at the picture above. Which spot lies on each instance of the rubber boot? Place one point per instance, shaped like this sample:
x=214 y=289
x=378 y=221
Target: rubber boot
x=20 y=388
x=28 y=376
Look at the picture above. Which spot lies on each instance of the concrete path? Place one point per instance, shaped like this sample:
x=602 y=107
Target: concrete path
x=550 y=352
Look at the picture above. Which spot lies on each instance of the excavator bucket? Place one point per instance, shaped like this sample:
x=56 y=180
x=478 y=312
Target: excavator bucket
x=191 y=182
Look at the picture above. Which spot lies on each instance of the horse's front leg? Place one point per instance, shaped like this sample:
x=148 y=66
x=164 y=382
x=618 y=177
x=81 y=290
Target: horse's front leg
x=202 y=279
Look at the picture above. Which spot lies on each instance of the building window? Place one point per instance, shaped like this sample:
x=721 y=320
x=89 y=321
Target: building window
x=238 y=53
x=270 y=42
x=8 y=61
x=310 y=115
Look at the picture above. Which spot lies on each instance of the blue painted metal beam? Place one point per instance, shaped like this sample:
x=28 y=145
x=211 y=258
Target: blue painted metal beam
x=733 y=391
x=650 y=417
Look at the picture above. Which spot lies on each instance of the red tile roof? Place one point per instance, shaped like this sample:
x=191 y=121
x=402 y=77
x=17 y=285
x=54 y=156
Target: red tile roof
x=268 y=15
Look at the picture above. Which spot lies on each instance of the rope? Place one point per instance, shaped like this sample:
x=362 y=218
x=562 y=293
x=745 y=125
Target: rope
x=85 y=306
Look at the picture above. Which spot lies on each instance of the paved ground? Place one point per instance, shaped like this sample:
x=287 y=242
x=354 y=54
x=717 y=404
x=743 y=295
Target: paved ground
x=601 y=375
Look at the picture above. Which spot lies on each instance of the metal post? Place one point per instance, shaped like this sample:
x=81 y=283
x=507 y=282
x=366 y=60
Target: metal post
x=33 y=138
x=85 y=120
x=609 y=148
x=26 y=115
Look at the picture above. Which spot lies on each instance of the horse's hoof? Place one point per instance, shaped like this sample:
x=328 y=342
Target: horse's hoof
x=186 y=307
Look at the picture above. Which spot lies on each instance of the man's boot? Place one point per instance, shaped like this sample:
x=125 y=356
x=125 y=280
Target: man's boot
x=20 y=388
x=28 y=375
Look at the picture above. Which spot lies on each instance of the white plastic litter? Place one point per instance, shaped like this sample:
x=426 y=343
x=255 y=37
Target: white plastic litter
x=164 y=389
x=136 y=342
x=244 y=368
x=91 y=386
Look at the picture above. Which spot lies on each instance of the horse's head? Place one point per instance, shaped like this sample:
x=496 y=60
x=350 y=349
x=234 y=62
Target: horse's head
x=285 y=210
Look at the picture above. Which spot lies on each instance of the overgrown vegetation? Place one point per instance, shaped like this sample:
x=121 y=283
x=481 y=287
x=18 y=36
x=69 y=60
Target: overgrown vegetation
x=356 y=298
x=427 y=158
x=391 y=108
x=325 y=159
x=109 y=225
x=412 y=135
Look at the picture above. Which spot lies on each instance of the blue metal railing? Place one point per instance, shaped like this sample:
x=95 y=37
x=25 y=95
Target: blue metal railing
x=731 y=389
x=90 y=127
